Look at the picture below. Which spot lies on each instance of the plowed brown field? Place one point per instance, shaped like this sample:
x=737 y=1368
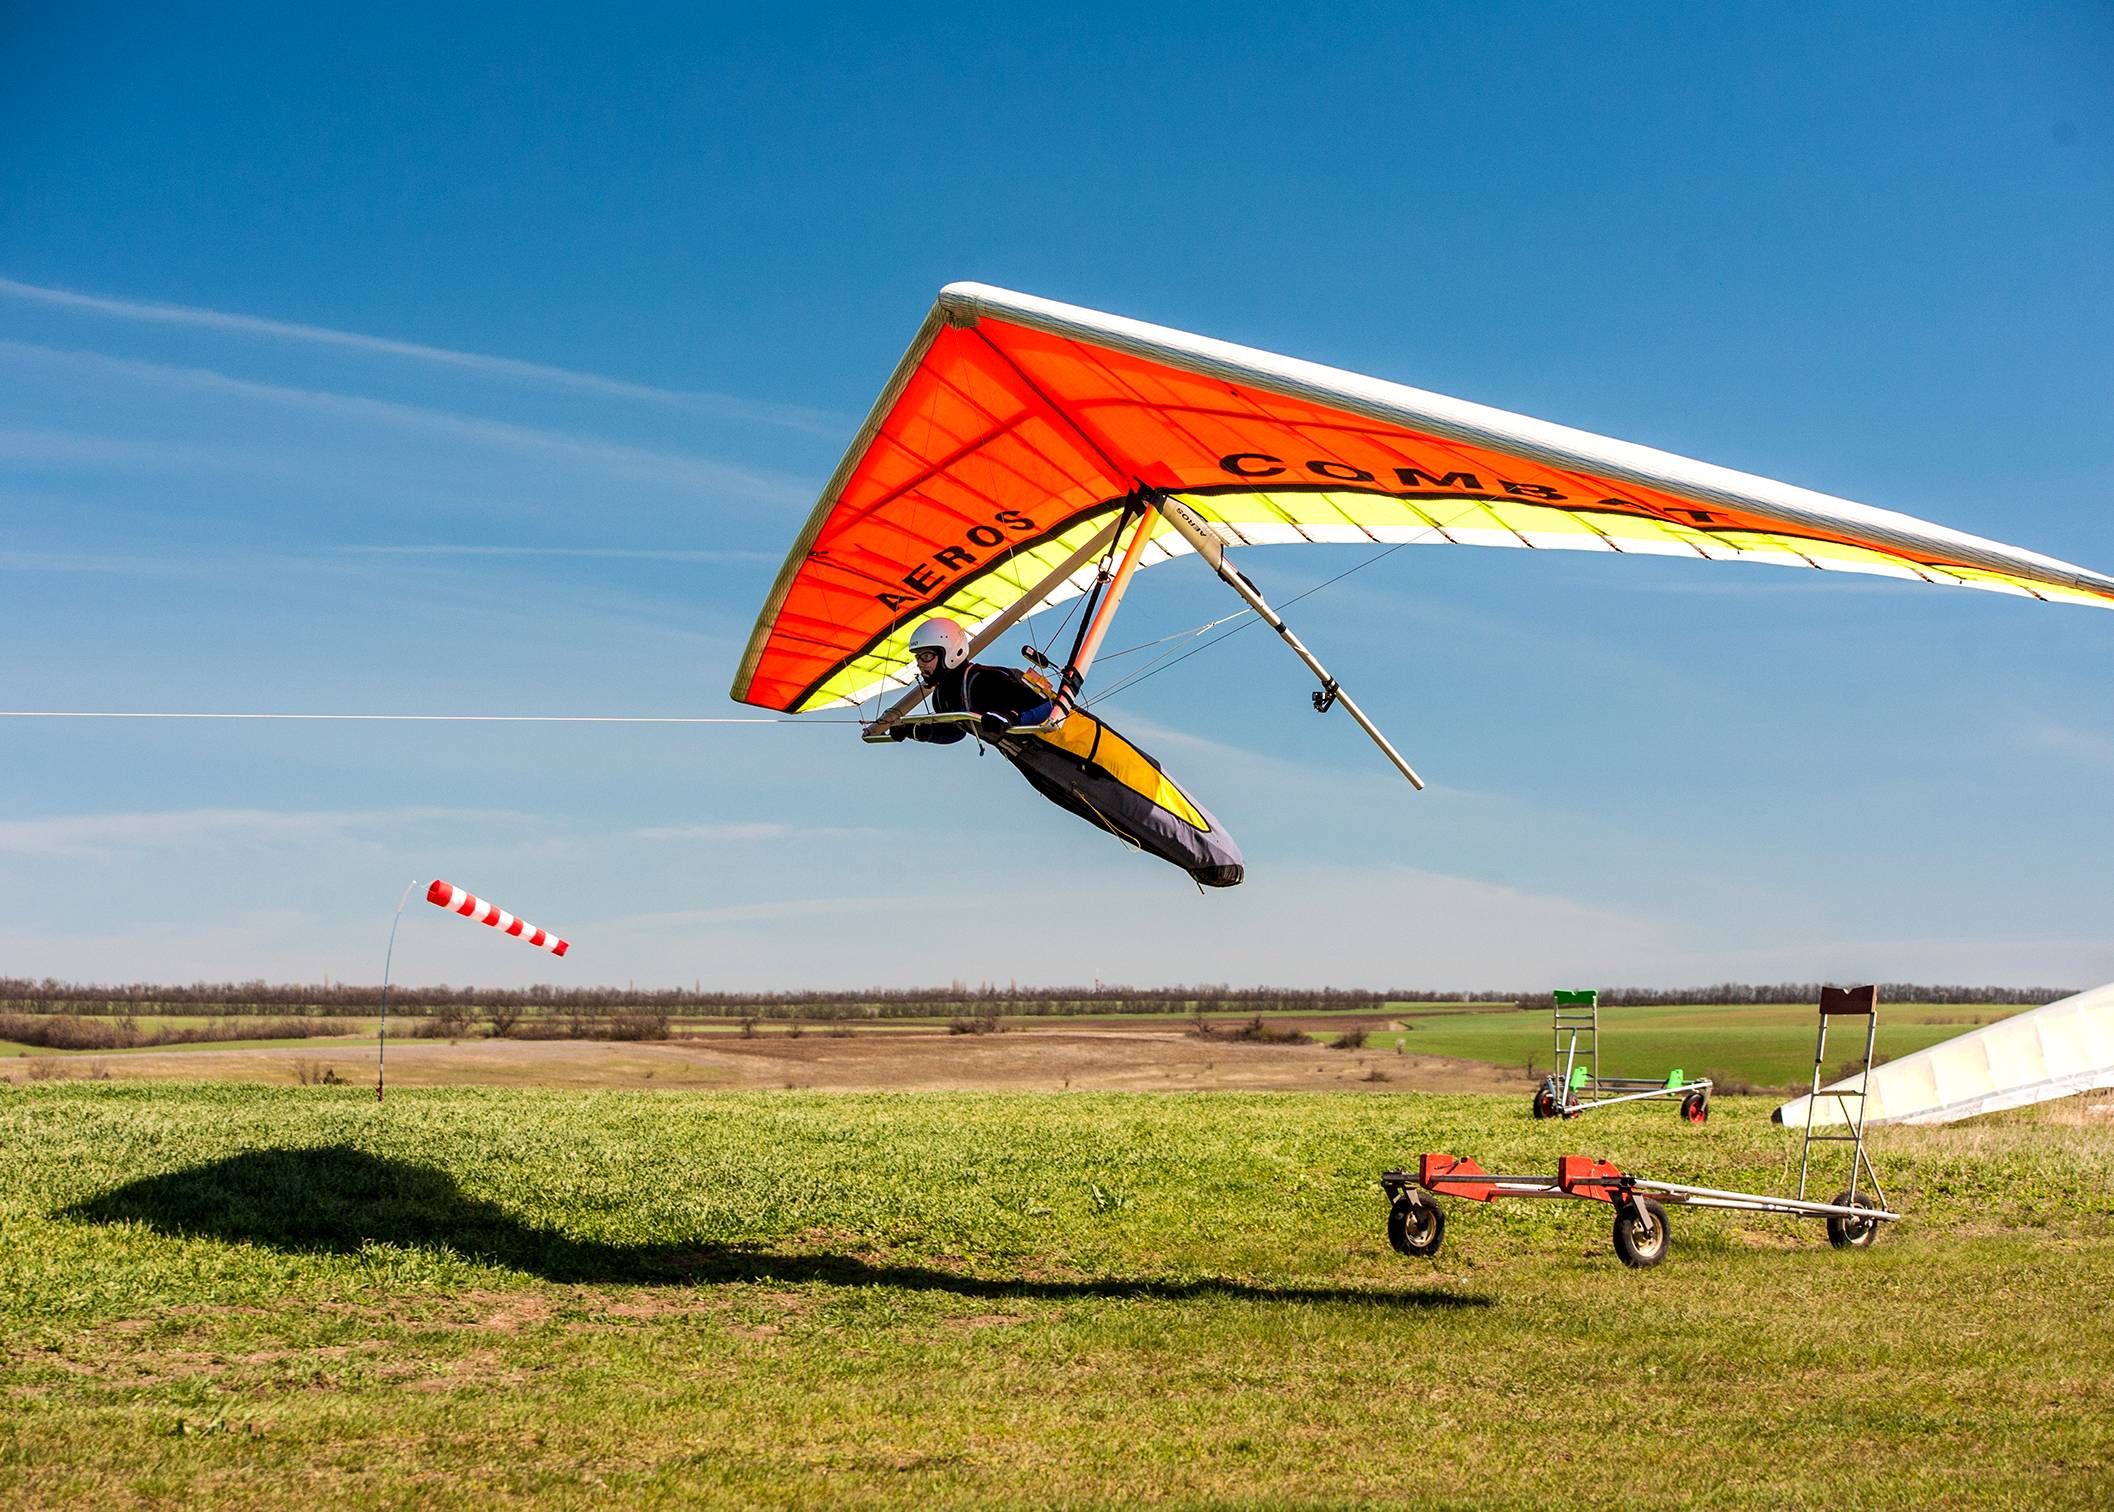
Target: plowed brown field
x=1157 y=1058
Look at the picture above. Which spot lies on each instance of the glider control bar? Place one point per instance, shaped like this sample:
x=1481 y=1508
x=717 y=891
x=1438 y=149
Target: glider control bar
x=1213 y=551
x=1026 y=605
x=1108 y=594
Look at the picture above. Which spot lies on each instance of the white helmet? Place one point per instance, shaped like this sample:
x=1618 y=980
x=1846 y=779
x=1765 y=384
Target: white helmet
x=943 y=636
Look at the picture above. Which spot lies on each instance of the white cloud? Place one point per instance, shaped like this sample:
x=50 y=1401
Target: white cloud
x=267 y=943
x=646 y=925
x=621 y=553
x=43 y=447
x=751 y=831
x=615 y=458
x=2013 y=960
x=1139 y=923
x=2037 y=732
x=1378 y=926
x=739 y=830
x=99 y=836
x=99 y=562
x=483 y=365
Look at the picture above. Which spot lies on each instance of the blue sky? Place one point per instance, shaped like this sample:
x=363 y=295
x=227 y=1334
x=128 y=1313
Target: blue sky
x=488 y=362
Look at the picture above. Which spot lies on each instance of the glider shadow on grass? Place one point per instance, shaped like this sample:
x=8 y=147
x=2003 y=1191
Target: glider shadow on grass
x=336 y=1200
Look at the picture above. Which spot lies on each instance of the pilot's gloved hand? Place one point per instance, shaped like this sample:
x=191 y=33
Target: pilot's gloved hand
x=991 y=726
x=898 y=732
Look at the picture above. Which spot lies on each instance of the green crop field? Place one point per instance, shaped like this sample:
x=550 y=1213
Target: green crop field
x=465 y=1298
x=1766 y=1045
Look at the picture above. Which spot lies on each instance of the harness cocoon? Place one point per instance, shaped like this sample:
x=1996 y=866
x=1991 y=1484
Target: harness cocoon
x=1087 y=767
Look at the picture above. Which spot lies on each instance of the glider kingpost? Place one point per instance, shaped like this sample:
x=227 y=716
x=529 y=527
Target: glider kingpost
x=1026 y=452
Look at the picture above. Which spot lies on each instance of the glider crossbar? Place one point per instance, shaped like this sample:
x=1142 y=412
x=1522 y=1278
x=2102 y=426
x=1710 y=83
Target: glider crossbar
x=1020 y=610
x=1213 y=551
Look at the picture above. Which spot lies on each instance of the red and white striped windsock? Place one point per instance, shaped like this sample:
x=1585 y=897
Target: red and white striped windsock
x=447 y=895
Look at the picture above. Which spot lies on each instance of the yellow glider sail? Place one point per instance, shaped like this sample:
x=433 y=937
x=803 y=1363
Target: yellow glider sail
x=1015 y=427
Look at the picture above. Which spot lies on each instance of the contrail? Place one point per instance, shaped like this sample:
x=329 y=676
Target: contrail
x=642 y=719
x=724 y=406
x=638 y=460
x=637 y=553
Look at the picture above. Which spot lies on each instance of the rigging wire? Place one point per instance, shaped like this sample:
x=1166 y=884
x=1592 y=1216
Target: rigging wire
x=1162 y=664
x=1109 y=656
x=1076 y=600
x=1166 y=658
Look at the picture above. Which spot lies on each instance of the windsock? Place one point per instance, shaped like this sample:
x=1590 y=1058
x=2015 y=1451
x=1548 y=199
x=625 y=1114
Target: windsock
x=447 y=895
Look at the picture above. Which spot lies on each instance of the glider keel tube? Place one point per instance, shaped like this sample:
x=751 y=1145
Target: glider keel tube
x=1213 y=551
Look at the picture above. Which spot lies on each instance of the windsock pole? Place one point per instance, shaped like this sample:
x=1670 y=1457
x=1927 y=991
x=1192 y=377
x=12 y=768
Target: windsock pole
x=1213 y=551
x=456 y=900
x=381 y=1044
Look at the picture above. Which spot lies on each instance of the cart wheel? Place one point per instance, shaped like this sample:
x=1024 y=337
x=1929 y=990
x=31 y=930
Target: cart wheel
x=1695 y=1107
x=1547 y=1100
x=1637 y=1244
x=1415 y=1224
x=1853 y=1233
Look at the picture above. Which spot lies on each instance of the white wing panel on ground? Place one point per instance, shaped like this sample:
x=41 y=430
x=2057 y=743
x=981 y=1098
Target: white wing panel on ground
x=2058 y=1050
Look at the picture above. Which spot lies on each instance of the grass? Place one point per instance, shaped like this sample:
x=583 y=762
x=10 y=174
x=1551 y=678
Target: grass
x=1768 y=1045
x=467 y=1298
x=1757 y=1046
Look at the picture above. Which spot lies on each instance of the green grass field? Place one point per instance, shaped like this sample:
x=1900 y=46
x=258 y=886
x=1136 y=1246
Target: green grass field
x=466 y=1298
x=1767 y=1045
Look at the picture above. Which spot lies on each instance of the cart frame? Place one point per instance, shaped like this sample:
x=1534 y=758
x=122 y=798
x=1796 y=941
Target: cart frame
x=1637 y=1201
x=1576 y=1022
x=1416 y=1224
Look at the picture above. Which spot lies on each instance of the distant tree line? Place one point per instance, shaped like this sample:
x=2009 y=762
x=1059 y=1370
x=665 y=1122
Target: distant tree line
x=350 y=999
x=66 y=1031
x=1804 y=992
x=53 y=996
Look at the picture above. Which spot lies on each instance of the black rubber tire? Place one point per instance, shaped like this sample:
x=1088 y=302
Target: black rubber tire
x=1548 y=1101
x=1853 y=1233
x=1636 y=1245
x=1416 y=1225
x=1695 y=1108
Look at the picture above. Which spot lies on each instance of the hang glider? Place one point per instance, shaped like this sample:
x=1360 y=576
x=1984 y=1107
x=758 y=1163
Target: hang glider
x=2058 y=1050
x=1026 y=452
x=1015 y=428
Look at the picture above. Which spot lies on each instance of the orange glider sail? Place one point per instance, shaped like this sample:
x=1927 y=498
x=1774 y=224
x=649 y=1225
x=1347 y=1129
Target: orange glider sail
x=1015 y=429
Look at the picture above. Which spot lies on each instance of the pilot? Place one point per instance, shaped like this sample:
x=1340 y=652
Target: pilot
x=1001 y=695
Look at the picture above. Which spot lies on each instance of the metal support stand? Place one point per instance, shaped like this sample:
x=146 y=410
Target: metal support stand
x=1416 y=1224
x=381 y=1045
x=1842 y=1002
x=1577 y=1018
